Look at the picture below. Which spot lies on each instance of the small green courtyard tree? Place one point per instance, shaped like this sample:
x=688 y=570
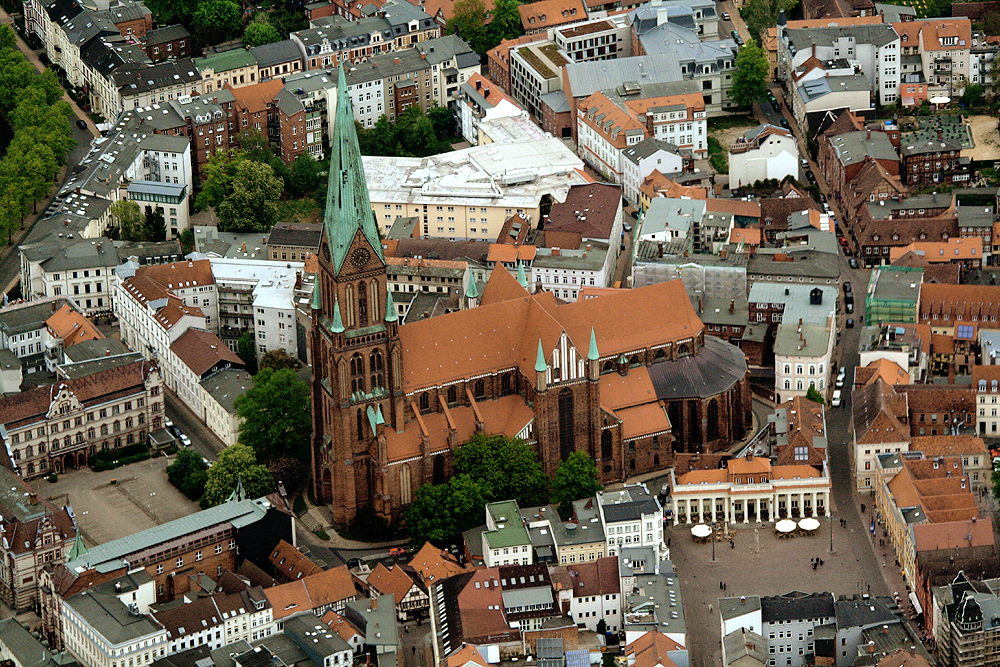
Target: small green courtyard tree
x=749 y=79
x=276 y=415
x=575 y=478
x=236 y=463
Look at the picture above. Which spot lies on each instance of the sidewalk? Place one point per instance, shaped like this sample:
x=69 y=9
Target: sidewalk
x=318 y=517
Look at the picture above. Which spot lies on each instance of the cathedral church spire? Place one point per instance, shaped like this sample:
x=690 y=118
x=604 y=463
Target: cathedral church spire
x=348 y=208
x=338 y=321
x=521 y=278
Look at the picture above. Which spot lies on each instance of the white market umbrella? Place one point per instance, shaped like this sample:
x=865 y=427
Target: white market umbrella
x=701 y=531
x=785 y=526
x=940 y=99
x=809 y=524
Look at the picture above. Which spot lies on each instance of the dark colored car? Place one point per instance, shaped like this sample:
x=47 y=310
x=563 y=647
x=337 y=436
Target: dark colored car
x=81 y=124
x=850 y=322
x=774 y=105
x=353 y=563
x=811 y=177
x=853 y=263
x=847 y=287
x=737 y=38
x=784 y=123
x=635 y=214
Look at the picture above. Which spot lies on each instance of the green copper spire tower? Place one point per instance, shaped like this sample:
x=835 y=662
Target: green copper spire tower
x=540 y=364
x=472 y=292
x=317 y=299
x=78 y=549
x=348 y=208
x=521 y=278
x=338 y=321
x=390 y=308
x=593 y=354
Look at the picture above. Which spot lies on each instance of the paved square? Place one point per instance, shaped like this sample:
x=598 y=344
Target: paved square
x=141 y=498
x=771 y=566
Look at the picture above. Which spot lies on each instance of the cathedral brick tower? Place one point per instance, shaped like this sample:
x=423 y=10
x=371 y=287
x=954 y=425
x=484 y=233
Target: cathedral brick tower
x=356 y=358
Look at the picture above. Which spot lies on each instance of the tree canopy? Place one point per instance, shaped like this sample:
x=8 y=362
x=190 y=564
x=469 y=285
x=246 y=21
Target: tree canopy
x=468 y=21
x=188 y=473
x=217 y=20
x=506 y=22
x=750 y=77
x=763 y=14
x=440 y=512
x=277 y=415
x=251 y=204
x=575 y=478
x=260 y=33
x=415 y=134
x=236 y=462
x=507 y=468
x=278 y=359
x=246 y=349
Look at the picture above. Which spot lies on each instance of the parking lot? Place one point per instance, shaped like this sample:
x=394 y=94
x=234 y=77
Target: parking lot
x=120 y=502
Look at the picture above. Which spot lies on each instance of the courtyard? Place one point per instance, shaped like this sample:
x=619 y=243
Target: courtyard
x=761 y=563
x=116 y=503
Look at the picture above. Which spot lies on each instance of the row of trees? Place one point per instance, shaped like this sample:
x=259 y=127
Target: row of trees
x=491 y=468
x=244 y=188
x=414 y=134
x=212 y=486
x=215 y=21
x=32 y=105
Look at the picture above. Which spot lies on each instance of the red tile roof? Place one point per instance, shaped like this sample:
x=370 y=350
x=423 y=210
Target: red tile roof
x=200 y=350
x=72 y=327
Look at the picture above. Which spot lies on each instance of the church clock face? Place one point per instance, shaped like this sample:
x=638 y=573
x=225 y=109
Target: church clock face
x=360 y=257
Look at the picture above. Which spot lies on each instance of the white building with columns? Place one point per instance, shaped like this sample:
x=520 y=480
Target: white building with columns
x=750 y=489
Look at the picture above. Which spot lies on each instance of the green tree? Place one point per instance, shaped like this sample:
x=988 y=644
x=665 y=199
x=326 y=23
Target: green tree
x=813 y=394
x=277 y=360
x=382 y=138
x=236 y=463
x=246 y=349
x=443 y=121
x=305 y=174
x=749 y=79
x=277 y=416
x=168 y=12
x=156 y=224
x=188 y=473
x=974 y=94
x=218 y=20
x=991 y=24
x=469 y=22
x=187 y=240
x=217 y=179
x=131 y=222
x=259 y=33
x=763 y=14
x=507 y=468
x=440 y=512
x=251 y=205
x=575 y=478
x=506 y=22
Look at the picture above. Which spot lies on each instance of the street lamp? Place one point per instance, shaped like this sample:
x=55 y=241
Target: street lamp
x=714 y=560
x=829 y=515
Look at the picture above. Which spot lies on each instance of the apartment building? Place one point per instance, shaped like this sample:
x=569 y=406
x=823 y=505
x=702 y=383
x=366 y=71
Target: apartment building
x=762 y=153
x=473 y=195
x=217 y=620
x=161 y=83
x=277 y=60
x=535 y=71
x=930 y=162
x=875 y=48
x=841 y=157
x=45 y=534
x=194 y=358
x=24 y=330
x=631 y=516
x=81 y=268
x=601 y=39
x=428 y=74
x=172 y=41
x=944 y=47
x=480 y=100
x=294 y=240
x=506 y=540
x=54 y=429
x=274 y=111
x=234 y=68
x=803 y=355
x=609 y=124
x=539 y=17
x=427 y=287
x=334 y=40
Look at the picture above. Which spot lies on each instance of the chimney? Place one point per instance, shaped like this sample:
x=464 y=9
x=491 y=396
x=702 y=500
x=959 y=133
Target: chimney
x=423 y=56
x=54 y=306
x=78 y=189
x=32 y=498
x=556 y=252
x=732 y=305
x=743 y=599
x=869 y=134
x=722 y=253
x=940 y=135
x=395 y=61
x=374 y=604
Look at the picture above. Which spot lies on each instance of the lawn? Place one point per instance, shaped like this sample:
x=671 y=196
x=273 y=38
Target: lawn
x=298 y=210
x=718 y=156
x=728 y=122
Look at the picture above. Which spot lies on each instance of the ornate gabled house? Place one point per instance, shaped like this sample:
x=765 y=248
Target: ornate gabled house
x=392 y=402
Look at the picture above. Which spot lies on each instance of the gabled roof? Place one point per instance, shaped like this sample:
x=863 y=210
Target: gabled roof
x=433 y=564
x=875 y=421
x=291 y=563
x=651 y=650
x=548 y=13
x=391 y=580
x=202 y=350
x=72 y=327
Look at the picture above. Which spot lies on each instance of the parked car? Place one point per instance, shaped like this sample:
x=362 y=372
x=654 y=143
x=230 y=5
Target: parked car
x=811 y=176
x=353 y=563
x=635 y=215
x=835 y=401
x=805 y=163
x=826 y=207
x=627 y=227
x=840 y=383
x=737 y=38
x=81 y=124
x=775 y=105
x=725 y=16
x=847 y=287
x=850 y=322
x=397 y=551
x=784 y=122
x=849 y=308
x=185 y=440
x=853 y=263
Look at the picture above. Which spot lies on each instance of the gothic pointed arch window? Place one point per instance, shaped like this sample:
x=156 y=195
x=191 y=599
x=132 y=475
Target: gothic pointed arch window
x=361 y=423
x=348 y=311
x=362 y=304
x=452 y=394
x=567 y=424
x=377 y=369
x=606 y=444
x=357 y=373
x=507 y=384
x=479 y=389
x=405 y=485
x=425 y=402
x=373 y=300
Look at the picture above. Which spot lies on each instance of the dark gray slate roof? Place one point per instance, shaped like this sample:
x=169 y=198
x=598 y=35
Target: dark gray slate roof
x=716 y=368
x=276 y=53
x=796 y=605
